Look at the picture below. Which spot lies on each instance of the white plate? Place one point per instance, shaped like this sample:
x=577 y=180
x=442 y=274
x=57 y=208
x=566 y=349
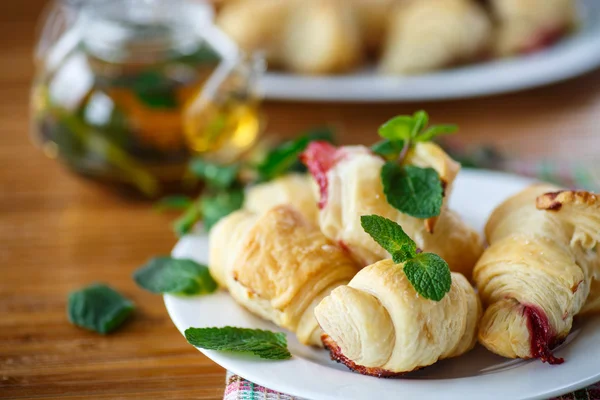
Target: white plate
x=476 y=375
x=571 y=57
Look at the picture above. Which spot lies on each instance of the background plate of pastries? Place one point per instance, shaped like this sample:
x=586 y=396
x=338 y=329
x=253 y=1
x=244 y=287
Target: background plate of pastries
x=402 y=50
x=296 y=259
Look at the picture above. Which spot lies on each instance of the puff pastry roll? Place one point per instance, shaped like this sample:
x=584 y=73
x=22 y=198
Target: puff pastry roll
x=529 y=25
x=350 y=187
x=538 y=271
x=294 y=189
x=426 y=35
x=278 y=266
x=378 y=325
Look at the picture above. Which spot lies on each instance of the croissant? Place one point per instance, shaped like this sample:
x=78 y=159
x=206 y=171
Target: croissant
x=426 y=35
x=529 y=25
x=321 y=37
x=278 y=266
x=540 y=269
x=378 y=325
x=350 y=186
x=373 y=18
x=294 y=189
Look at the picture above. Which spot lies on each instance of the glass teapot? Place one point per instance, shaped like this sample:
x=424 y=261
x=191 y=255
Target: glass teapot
x=127 y=91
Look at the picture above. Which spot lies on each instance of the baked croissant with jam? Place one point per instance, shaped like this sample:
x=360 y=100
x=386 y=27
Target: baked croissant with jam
x=279 y=266
x=378 y=325
x=542 y=269
x=525 y=26
x=426 y=35
x=350 y=187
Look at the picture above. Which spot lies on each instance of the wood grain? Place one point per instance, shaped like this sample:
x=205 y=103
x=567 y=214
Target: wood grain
x=59 y=232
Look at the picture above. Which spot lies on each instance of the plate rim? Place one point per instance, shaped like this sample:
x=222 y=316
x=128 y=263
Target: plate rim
x=248 y=368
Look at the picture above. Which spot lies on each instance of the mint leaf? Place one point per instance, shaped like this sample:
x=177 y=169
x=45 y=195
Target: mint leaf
x=216 y=206
x=421 y=119
x=436 y=131
x=397 y=128
x=412 y=190
x=188 y=219
x=430 y=275
x=284 y=157
x=388 y=149
x=177 y=276
x=215 y=175
x=99 y=308
x=264 y=344
x=171 y=203
x=390 y=236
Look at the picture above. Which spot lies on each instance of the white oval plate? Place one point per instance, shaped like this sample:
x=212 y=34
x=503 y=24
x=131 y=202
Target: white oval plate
x=571 y=57
x=476 y=375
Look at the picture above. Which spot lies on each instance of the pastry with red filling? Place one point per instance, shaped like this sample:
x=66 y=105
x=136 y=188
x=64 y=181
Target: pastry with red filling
x=541 y=270
x=349 y=180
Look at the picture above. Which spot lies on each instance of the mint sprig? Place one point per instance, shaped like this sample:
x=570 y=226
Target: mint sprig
x=428 y=273
x=415 y=191
x=264 y=344
x=177 y=276
x=98 y=308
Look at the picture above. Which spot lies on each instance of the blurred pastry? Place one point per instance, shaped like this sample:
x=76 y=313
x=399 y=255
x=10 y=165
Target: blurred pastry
x=321 y=37
x=378 y=325
x=350 y=187
x=427 y=35
x=373 y=16
x=278 y=266
x=542 y=269
x=294 y=189
x=525 y=26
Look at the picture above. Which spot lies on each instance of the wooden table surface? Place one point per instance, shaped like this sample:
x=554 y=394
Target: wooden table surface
x=59 y=232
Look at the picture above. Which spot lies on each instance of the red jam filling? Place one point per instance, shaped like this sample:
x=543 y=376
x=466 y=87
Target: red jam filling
x=543 y=39
x=319 y=157
x=541 y=335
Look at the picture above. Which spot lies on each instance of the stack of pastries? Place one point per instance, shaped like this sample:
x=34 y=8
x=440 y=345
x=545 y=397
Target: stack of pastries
x=403 y=36
x=296 y=255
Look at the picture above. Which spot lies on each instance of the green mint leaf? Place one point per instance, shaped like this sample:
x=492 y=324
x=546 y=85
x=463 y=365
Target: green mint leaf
x=173 y=203
x=412 y=190
x=264 y=344
x=215 y=175
x=177 y=276
x=398 y=128
x=421 y=119
x=430 y=275
x=155 y=90
x=388 y=149
x=219 y=205
x=435 y=131
x=188 y=219
x=389 y=235
x=98 y=308
x=284 y=158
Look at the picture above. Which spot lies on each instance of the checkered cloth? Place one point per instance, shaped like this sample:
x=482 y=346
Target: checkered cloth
x=577 y=174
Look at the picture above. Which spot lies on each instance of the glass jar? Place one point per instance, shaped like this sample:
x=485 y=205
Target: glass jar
x=127 y=91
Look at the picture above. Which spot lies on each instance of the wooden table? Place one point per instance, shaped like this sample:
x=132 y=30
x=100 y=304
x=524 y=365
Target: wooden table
x=59 y=232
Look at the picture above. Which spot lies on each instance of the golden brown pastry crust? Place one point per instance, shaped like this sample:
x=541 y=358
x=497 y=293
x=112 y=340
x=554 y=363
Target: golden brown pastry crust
x=278 y=266
x=537 y=273
x=378 y=325
x=294 y=189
